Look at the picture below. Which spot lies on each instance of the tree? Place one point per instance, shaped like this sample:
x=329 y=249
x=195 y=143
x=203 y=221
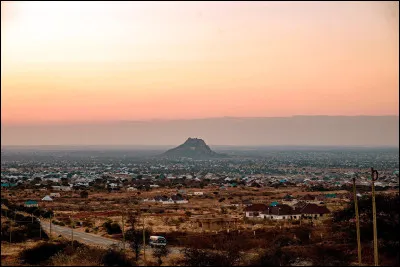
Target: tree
x=160 y=252
x=84 y=194
x=135 y=235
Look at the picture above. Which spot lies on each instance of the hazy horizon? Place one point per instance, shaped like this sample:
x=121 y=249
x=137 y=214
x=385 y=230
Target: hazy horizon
x=349 y=131
x=241 y=73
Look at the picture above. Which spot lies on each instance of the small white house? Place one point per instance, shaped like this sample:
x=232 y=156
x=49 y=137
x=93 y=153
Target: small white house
x=154 y=185
x=198 y=193
x=65 y=188
x=47 y=198
x=131 y=189
x=55 y=195
x=169 y=201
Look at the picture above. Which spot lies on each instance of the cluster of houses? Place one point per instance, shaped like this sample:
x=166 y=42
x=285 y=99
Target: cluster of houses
x=174 y=199
x=285 y=212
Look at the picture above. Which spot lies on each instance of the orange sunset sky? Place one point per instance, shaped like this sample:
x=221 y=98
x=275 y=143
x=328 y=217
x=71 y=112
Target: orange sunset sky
x=106 y=61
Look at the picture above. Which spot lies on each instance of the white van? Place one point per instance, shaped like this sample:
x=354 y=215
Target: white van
x=156 y=241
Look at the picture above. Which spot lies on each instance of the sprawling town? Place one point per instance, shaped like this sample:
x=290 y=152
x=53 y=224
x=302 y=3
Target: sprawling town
x=101 y=199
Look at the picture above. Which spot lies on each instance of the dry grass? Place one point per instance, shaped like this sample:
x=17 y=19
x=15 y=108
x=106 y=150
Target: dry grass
x=9 y=252
x=70 y=204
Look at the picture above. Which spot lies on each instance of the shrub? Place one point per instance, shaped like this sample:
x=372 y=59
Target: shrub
x=112 y=228
x=116 y=258
x=48 y=214
x=188 y=213
x=41 y=253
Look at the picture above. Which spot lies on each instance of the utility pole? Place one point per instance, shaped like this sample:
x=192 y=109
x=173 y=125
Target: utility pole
x=50 y=227
x=357 y=221
x=11 y=226
x=144 y=244
x=40 y=229
x=72 y=232
x=123 y=232
x=374 y=177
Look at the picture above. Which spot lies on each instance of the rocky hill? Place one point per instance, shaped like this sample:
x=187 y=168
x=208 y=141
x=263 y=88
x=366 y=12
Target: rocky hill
x=193 y=148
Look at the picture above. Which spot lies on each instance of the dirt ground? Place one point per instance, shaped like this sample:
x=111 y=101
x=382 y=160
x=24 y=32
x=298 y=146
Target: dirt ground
x=102 y=206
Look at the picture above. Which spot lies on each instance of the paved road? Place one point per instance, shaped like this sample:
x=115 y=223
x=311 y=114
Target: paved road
x=88 y=238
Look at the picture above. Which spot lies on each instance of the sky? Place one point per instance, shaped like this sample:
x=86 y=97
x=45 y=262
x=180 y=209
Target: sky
x=83 y=62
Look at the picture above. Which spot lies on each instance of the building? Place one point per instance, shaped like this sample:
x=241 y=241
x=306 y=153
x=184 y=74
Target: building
x=47 y=198
x=286 y=212
x=31 y=203
x=65 y=188
x=55 y=195
x=198 y=193
x=313 y=211
x=255 y=210
x=281 y=212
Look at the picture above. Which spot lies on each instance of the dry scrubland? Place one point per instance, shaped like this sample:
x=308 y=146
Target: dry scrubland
x=248 y=238
x=99 y=207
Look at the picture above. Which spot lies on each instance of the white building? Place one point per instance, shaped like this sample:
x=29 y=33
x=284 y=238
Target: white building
x=47 y=198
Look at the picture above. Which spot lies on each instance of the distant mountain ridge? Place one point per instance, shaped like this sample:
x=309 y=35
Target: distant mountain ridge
x=193 y=148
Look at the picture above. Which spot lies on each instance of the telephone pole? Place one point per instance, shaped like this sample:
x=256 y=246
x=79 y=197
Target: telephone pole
x=357 y=221
x=144 y=244
x=123 y=232
x=72 y=232
x=50 y=227
x=11 y=222
x=374 y=177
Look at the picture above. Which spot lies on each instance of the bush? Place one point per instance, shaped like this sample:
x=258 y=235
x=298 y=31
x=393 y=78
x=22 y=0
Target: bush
x=112 y=228
x=188 y=213
x=198 y=257
x=81 y=256
x=116 y=258
x=48 y=214
x=41 y=253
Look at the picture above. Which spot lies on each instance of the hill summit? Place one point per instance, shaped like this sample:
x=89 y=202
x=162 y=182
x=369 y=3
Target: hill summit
x=194 y=148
